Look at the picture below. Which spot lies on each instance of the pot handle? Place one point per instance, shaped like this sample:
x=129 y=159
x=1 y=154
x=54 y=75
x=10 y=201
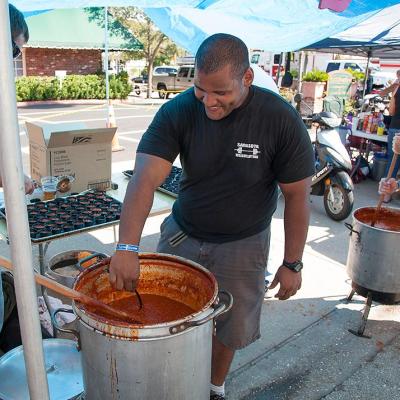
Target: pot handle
x=58 y=327
x=220 y=308
x=89 y=257
x=351 y=229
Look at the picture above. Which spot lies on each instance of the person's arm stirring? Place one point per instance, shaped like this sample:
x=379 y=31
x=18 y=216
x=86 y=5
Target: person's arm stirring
x=389 y=186
x=150 y=171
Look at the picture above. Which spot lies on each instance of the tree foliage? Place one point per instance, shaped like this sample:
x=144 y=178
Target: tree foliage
x=157 y=48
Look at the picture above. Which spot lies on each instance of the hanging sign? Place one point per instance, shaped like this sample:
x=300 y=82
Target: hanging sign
x=339 y=83
x=334 y=5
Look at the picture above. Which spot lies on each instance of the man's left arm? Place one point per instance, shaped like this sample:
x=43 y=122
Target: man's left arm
x=296 y=220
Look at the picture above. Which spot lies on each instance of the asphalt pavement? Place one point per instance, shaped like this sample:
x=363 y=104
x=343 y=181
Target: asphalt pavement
x=306 y=351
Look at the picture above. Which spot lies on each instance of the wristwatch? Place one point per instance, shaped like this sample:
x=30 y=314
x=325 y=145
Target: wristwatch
x=295 y=266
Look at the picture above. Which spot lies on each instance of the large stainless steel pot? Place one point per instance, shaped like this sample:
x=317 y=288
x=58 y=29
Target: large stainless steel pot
x=373 y=262
x=168 y=361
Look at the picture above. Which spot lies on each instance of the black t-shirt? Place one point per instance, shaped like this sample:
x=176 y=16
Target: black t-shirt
x=228 y=189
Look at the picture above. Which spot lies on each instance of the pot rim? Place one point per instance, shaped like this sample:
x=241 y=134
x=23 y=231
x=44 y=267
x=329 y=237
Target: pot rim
x=373 y=227
x=126 y=329
x=71 y=252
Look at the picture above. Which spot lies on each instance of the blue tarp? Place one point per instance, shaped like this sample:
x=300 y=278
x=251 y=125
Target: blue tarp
x=272 y=25
x=34 y=5
x=379 y=35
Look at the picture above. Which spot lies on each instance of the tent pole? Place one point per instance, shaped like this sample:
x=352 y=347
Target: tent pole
x=106 y=55
x=366 y=74
x=278 y=73
x=18 y=228
x=301 y=64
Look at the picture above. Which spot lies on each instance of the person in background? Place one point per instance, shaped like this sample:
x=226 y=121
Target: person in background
x=237 y=142
x=397 y=77
x=9 y=333
x=390 y=186
x=370 y=82
x=394 y=128
x=19 y=36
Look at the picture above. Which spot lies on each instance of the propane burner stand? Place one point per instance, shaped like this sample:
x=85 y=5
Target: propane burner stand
x=370 y=296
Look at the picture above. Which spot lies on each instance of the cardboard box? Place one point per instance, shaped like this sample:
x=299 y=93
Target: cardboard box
x=71 y=149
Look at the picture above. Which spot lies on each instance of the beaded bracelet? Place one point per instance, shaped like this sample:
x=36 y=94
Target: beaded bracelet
x=127 y=247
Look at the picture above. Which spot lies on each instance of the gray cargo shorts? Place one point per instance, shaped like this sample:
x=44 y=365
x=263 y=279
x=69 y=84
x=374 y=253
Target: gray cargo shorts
x=239 y=267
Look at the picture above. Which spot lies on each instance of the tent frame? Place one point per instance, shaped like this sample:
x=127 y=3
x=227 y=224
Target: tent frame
x=18 y=226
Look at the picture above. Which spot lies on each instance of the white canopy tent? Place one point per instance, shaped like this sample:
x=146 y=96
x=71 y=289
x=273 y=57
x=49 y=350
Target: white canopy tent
x=377 y=36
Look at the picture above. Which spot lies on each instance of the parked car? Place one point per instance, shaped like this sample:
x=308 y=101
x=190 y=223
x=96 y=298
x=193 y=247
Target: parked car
x=380 y=78
x=165 y=70
x=172 y=81
x=184 y=79
x=140 y=79
x=355 y=65
x=139 y=84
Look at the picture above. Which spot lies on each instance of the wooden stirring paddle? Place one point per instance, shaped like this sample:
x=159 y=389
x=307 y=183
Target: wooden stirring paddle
x=382 y=196
x=74 y=294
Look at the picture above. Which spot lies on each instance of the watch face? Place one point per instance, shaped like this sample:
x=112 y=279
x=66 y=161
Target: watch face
x=296 y=266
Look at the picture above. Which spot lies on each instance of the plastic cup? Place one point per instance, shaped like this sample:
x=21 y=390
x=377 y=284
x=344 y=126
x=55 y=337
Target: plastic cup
x=49 y=187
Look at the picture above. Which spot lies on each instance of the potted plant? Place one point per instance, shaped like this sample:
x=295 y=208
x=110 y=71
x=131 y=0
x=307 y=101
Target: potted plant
x=313 y=85
x=295 y=75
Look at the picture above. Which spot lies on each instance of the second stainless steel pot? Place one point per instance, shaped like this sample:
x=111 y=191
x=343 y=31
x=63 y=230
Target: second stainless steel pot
x=373 y=262
x=65 y=267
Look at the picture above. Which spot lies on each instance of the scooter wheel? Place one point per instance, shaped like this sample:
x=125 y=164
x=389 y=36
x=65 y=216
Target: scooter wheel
x=340 y=207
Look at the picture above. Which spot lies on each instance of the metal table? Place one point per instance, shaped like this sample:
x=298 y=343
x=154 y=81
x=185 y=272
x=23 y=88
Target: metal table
x=370 y=136
x=162 y=204
x=365 y=148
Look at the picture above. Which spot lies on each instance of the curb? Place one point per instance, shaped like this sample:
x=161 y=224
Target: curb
x=129 y=101
x=69 y=102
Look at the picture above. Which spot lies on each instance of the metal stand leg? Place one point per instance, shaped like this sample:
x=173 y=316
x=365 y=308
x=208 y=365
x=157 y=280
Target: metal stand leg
x=350 y=296
x=42 y=268
x=41 y=259
x=364 y=319
x=115 y=234
x=42 y=252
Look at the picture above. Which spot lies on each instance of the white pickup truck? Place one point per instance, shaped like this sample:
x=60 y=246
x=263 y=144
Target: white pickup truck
x=380 y=78
x=183 y=79
x=173 y=82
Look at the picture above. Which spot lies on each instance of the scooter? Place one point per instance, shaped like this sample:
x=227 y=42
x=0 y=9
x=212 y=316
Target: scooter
x=333 y=165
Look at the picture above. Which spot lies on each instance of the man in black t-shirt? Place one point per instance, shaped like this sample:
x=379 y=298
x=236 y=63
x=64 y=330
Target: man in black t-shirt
x=237 y=143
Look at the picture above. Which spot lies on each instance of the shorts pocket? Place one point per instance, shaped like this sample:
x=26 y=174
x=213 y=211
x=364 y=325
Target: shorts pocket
x=168 y=228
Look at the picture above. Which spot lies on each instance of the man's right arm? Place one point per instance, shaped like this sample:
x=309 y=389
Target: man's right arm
x=149 y=173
